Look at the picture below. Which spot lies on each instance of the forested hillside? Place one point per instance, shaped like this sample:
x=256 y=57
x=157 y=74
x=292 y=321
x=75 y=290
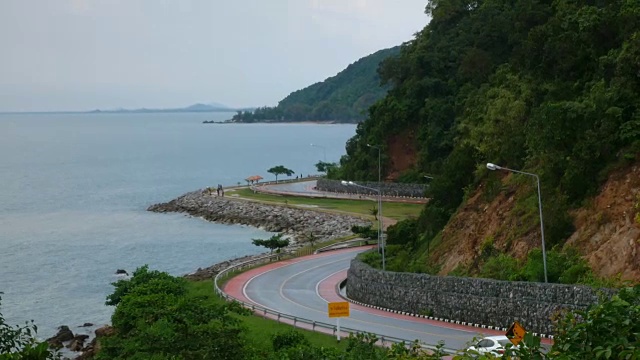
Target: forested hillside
x=547 y=87
x=344 y=97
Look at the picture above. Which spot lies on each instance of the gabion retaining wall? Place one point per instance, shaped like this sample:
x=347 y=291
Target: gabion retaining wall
x=478 y=301
x=388 y=189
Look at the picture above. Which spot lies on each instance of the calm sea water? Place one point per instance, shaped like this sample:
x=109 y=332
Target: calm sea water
x=74 y=189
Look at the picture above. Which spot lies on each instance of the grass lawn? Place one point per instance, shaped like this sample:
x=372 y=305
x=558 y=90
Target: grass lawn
x=393 y=210
x=259 y=329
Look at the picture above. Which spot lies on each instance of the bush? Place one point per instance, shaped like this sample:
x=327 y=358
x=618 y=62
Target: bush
x=155 y=318
x=365 y=232
x=609 y=329
x=500 y=267
x=562 y=267
x=291 y=338
x=372 y=258
x=404 y=232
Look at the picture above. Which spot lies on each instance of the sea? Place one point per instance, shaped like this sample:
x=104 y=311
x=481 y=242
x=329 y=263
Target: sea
x=74 y=189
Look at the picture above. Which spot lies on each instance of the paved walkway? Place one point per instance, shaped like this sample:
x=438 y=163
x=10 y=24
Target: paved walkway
x=308 y=189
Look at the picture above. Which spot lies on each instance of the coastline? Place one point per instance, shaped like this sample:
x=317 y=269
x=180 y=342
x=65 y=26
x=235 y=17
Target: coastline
x=306 y=122
x=295 y=222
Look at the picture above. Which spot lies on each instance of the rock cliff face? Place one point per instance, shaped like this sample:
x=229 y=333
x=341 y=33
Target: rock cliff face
x=293 y=221
x=607 y=229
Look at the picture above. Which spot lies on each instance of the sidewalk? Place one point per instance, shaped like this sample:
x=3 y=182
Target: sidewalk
x=307 y=188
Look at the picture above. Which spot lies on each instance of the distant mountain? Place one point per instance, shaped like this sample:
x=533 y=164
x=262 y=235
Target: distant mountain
x=211 y=107
x=345 y=97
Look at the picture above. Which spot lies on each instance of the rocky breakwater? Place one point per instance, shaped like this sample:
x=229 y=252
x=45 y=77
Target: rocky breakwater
x=296 y=222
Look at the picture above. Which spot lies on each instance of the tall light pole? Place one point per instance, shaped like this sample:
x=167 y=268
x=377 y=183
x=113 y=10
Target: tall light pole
x=380 y=192
x=491 y=166
x=324 y=150
x=380 y=240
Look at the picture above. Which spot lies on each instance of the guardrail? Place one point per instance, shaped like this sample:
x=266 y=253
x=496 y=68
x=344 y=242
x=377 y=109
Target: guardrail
x=341 y=245
x=296 y=320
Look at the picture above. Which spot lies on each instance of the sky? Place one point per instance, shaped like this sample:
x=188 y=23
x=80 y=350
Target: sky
x=59 y=55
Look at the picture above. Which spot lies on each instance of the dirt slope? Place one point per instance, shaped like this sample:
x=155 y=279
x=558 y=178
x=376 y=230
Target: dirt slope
x=607 y=234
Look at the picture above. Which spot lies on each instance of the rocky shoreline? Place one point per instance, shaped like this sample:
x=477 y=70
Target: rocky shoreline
x=295 y=222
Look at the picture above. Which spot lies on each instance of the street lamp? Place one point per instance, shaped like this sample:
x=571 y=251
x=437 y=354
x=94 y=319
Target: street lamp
x=379 y=168
x=491 y=166
x=380 y=241
x=379 y=187
x=324 y=150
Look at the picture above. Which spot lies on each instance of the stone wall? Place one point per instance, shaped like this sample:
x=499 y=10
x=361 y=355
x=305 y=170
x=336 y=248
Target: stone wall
x=388 y=189
x=477 y=301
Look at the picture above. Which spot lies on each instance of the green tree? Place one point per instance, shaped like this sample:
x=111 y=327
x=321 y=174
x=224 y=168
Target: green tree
x=280 y=170
x=155 y=318
x=325 y=167
x=276 y=242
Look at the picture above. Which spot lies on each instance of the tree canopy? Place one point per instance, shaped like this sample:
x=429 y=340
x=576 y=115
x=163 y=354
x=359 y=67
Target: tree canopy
x=549 y=87
x=276 y=242
x=280 y=170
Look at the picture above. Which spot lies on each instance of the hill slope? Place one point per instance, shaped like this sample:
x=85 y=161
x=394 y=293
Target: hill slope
x=548 y=87
x=344 y=97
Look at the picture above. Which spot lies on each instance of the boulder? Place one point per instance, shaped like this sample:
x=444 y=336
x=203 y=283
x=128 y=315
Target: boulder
x=64 y=334
x=105 y=331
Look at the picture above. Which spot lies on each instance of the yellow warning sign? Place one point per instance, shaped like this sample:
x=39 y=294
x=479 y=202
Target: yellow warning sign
x=516 y=333
x=338 y=309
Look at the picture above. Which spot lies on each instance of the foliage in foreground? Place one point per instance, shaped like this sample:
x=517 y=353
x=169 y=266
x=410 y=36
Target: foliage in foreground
x=155 y=318
x=19 y=342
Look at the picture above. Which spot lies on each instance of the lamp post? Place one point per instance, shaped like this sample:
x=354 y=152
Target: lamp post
x=379 y=168
x=324 y=150
x=380 y=241
x=491 y=166
x=380 y=192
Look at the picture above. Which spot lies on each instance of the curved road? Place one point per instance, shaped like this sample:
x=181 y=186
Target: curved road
x=302 y=287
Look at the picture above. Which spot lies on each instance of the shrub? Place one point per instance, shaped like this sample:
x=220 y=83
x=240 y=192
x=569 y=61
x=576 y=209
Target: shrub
x=562 y=267
x=291 y=338
x=500 y=267
x=607 y=330
x=365 y=232
x=404 y=232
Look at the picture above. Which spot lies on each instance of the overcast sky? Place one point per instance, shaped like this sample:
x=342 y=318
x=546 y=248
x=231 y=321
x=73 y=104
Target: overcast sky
x=87 y=54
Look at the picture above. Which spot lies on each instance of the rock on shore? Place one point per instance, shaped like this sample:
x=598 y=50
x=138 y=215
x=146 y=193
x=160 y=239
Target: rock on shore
x=295 y=222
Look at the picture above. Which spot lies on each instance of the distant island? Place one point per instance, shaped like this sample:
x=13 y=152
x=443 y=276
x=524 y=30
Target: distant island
x=211 y=107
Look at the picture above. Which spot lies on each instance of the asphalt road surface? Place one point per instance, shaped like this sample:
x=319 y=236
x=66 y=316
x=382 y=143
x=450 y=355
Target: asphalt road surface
x=302 y=287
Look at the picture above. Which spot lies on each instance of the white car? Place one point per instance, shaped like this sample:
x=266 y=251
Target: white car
x=490 y=345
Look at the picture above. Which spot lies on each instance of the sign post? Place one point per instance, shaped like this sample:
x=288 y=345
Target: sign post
x=516 y=333
x=338 y=310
